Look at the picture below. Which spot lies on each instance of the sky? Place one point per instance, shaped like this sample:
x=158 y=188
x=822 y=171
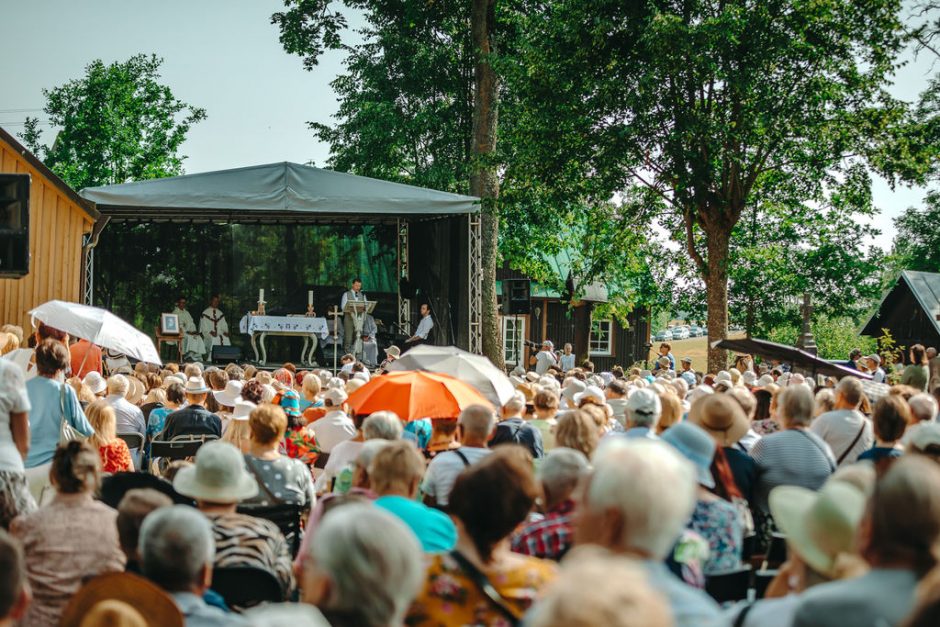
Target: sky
x=224 y=56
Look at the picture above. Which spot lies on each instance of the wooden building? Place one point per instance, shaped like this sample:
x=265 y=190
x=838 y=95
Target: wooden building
x=60 y=226
x=910 y=310
x=605 y=341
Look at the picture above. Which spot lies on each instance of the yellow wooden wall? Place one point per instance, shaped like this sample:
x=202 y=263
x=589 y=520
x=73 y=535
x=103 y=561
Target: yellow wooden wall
x=56 y=226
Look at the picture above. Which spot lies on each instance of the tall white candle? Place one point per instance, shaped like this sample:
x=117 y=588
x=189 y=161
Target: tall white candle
x=310 y=298
x=261 y=295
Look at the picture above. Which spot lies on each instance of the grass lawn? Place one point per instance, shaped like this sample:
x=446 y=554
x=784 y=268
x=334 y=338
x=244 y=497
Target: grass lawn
x=696 y=348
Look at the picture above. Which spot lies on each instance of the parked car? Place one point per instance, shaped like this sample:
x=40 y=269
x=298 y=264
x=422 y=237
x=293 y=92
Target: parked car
x=680 y=333
x=663 y=336
x=695 y=331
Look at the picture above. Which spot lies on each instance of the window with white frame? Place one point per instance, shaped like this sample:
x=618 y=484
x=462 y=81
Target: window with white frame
x=513 y=337
x=602 y=335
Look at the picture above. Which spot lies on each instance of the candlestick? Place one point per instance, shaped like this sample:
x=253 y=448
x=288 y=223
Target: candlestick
x=261 y=295
x=309 y=298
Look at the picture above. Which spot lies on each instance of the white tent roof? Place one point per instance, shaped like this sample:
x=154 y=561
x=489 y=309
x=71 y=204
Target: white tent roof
x=273 y=191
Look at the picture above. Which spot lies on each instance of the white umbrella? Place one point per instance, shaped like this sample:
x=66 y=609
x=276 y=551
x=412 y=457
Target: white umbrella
x=475 y=370
x=98 y=327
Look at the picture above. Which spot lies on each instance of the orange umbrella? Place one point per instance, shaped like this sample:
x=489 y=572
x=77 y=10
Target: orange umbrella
x=414 y=394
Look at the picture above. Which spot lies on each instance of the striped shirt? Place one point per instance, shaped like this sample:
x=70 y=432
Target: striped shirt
x=791 y=457
x=242 y=540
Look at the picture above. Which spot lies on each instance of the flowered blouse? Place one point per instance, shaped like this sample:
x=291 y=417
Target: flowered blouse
x=718 y=522
x=299 y=443
x=450 y=597
x=115 y=456
x=688 y=558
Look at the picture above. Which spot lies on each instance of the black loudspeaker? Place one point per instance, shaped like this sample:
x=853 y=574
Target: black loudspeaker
x=224 y=354
x=517 y=299
x=14 y=225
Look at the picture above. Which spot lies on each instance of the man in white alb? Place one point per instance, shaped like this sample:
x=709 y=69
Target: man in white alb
x=193 y=345
x=423 y=330
x=349 y=325
x=213 y=327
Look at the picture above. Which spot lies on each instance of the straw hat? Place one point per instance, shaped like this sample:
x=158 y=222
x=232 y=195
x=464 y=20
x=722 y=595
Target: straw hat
x=393 y=352
x=153 y=604
x=113 y=614
x=721 y=416
x=242 y=409
x=95 y=382
x=819 y=525
x=230 y=395
x=196 y=385
x=697 y=446
x=219 y=475
x=135 y=390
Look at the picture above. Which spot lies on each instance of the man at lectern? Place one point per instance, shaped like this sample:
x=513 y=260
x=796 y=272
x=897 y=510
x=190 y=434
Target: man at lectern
x=349 y=326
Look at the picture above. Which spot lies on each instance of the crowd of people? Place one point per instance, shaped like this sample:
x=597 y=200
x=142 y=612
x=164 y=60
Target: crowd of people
x=587 y=498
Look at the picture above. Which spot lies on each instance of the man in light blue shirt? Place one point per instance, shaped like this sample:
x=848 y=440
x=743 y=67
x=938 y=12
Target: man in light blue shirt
x=395 y=474
x=635 y=504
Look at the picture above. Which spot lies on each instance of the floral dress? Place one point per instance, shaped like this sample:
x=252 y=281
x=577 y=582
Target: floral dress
x=765 y=427
x=450 y=597
x=718 y=522
x=299 y=443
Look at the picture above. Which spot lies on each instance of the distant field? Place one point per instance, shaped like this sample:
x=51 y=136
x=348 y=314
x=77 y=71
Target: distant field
x=696 y=348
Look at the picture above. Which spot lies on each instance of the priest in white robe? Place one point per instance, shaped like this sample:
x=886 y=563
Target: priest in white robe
x=213 y=327
x=194 y=348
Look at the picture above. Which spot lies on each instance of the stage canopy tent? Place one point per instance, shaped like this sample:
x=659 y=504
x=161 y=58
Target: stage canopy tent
x=274 y=192
x=288 y=228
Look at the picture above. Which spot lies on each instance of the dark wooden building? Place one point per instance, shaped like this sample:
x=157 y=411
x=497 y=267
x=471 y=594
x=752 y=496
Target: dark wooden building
x=605 y=341
x=910 y=310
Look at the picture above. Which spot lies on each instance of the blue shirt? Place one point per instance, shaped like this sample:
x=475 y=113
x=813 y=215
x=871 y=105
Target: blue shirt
x=877 y=453
x=690 y=607
x=434 y=529
x=45 y=417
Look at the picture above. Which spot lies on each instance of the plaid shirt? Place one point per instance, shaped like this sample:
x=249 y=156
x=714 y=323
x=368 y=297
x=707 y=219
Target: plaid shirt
x=549 y=538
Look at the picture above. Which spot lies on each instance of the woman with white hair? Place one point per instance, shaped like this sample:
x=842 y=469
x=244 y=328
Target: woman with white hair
x=794 y=456
x=363 y=568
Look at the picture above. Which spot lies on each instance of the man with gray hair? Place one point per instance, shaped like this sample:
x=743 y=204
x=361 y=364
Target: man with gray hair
x=643 y=411
x=550 y=536
x=363 y=566
x=177 y=551
x=635 y=503
x=474 y=426
x=845 y=429
x=924 y=411
x=513 y=429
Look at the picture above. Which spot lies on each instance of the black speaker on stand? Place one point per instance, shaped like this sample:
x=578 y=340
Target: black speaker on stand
x=14 y=225
x=517 y=297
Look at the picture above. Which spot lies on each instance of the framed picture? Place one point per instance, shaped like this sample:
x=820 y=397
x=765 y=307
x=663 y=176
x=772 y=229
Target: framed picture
x=169 y=324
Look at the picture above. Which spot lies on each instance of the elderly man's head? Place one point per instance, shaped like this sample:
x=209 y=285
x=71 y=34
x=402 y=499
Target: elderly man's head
x=363 y=567
x=514 y=406
x=643 y=408
x=849 y=393
x=560 y=473
x=795 y=406
x=177 y=549
x=397 y=469
x=134 y=507
x=118 y=384
x=637 y=499
x=382 y=425
x=476 y=424
x=923 y=407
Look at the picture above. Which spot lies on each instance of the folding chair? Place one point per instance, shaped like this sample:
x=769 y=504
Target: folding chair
x=180 y=447
x=114 y=487
x=133 y=440
x=246 y=586
x=731 y=585
x=287 y=517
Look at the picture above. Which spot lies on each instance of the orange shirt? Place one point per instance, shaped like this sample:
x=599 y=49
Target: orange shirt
x=78 y=351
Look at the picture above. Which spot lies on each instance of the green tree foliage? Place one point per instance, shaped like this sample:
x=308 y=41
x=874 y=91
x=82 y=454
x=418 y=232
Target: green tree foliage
x=917 y=242
x=835 y=337
x=118 y=124
x=406 y=105
x=717 y=107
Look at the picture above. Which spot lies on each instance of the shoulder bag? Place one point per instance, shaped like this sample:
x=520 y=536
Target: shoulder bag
x=852 y=445
x=67 y=433
x=512 y=616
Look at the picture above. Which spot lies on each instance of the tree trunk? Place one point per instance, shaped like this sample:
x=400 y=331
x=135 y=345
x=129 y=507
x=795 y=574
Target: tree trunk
x=484 y=182
x=582 y=331
x=716 y=286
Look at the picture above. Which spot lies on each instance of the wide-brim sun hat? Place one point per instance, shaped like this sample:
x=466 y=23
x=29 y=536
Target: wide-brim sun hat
x=242 y=409
x=393 y=351
x=590 y=392
x=95 y=382
x=230 y=395
x=697 y=446
x=218 y=476
x=155 y=605
x=819 y=525
x=721 y=416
